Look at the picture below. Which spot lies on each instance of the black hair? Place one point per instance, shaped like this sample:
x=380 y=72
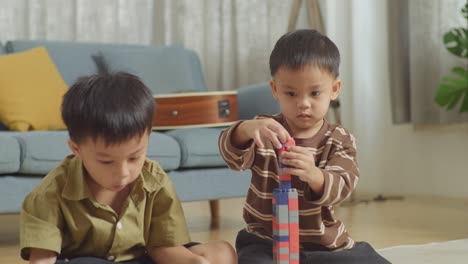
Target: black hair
x=304 y=47
x=113 y=106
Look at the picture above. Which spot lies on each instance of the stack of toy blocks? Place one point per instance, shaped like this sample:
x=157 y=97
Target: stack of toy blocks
x=285 y=217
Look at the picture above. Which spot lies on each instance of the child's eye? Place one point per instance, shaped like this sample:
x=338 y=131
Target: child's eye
x=106 y=162
x=316 y=93
x=290 y=93
x=134 y=158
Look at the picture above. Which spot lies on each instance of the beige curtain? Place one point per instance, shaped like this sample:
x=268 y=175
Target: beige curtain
x=418 y=58
x=233 y=38
x=123 y=21
x=313 y=12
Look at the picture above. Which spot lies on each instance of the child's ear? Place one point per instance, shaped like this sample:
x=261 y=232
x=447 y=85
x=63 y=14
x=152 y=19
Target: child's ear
x=74 y=147
x=336 y=89
x=274 y=90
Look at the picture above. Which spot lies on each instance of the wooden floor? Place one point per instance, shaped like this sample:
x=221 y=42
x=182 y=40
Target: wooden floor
x=414 y=220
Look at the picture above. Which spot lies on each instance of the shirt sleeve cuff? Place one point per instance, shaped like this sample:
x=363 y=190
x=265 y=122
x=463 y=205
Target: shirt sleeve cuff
x=315 y=198
x=239 y=151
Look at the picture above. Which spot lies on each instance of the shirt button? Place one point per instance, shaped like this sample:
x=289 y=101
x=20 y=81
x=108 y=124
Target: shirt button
x=119 y=225
x=110 y=258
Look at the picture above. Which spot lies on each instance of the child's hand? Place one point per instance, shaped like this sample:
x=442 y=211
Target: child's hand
x=302 y=164
x=264 y=130
x=42 y=256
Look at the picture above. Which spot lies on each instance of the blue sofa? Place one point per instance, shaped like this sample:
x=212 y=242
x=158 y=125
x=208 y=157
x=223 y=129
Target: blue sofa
x=189 y=156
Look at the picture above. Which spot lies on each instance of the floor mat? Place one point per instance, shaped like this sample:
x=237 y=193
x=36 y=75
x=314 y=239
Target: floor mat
x=452 y=252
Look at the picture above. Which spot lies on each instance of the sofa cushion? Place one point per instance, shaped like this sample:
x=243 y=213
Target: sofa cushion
x=41 y=151
x=163 y=69
x=9 y=154
x=31 y=91
x=199 y=147
x=73 y=59
x=165 y=150
x=255 y=100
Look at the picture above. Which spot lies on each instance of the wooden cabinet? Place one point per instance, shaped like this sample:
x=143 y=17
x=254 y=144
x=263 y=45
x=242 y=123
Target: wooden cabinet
x=202 y=109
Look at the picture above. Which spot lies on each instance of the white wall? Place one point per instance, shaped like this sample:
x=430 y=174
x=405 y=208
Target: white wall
x=394 y=159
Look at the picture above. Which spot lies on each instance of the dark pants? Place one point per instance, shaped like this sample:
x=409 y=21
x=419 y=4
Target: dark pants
x=253 y=249
x=93 y=260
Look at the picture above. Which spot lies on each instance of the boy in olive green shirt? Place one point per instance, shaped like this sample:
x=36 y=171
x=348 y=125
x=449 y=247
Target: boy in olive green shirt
x=107 y=202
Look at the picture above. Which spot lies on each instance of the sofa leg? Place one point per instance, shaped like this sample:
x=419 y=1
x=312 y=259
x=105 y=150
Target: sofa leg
x=214 y=209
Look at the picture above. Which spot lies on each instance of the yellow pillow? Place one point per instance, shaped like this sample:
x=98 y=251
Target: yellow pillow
x=31 y=91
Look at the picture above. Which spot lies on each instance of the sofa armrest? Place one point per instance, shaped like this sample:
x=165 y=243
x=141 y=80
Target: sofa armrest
x=256 y=100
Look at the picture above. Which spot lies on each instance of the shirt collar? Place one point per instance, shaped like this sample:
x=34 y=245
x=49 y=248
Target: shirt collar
x=75 y=187
x=147 y=182
x=149 y=175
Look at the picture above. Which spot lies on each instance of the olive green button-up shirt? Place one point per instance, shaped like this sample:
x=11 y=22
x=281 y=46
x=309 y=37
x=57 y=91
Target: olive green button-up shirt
x=61 y=215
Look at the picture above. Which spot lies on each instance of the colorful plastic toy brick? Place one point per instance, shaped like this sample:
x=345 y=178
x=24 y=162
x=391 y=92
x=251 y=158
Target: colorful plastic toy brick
x=285 y=217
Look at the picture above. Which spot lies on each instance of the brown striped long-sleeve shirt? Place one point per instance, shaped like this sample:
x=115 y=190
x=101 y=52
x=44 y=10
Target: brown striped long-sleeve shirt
x=334 y=150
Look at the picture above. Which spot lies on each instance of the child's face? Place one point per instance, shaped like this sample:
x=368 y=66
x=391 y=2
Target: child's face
x=112 y=167
x=304 y=96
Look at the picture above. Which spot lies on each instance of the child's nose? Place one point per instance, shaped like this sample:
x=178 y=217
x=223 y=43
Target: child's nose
x=124 y=170
x=303 y=102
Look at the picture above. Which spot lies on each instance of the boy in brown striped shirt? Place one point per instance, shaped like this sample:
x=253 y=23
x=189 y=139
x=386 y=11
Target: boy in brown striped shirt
x=304 y=68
